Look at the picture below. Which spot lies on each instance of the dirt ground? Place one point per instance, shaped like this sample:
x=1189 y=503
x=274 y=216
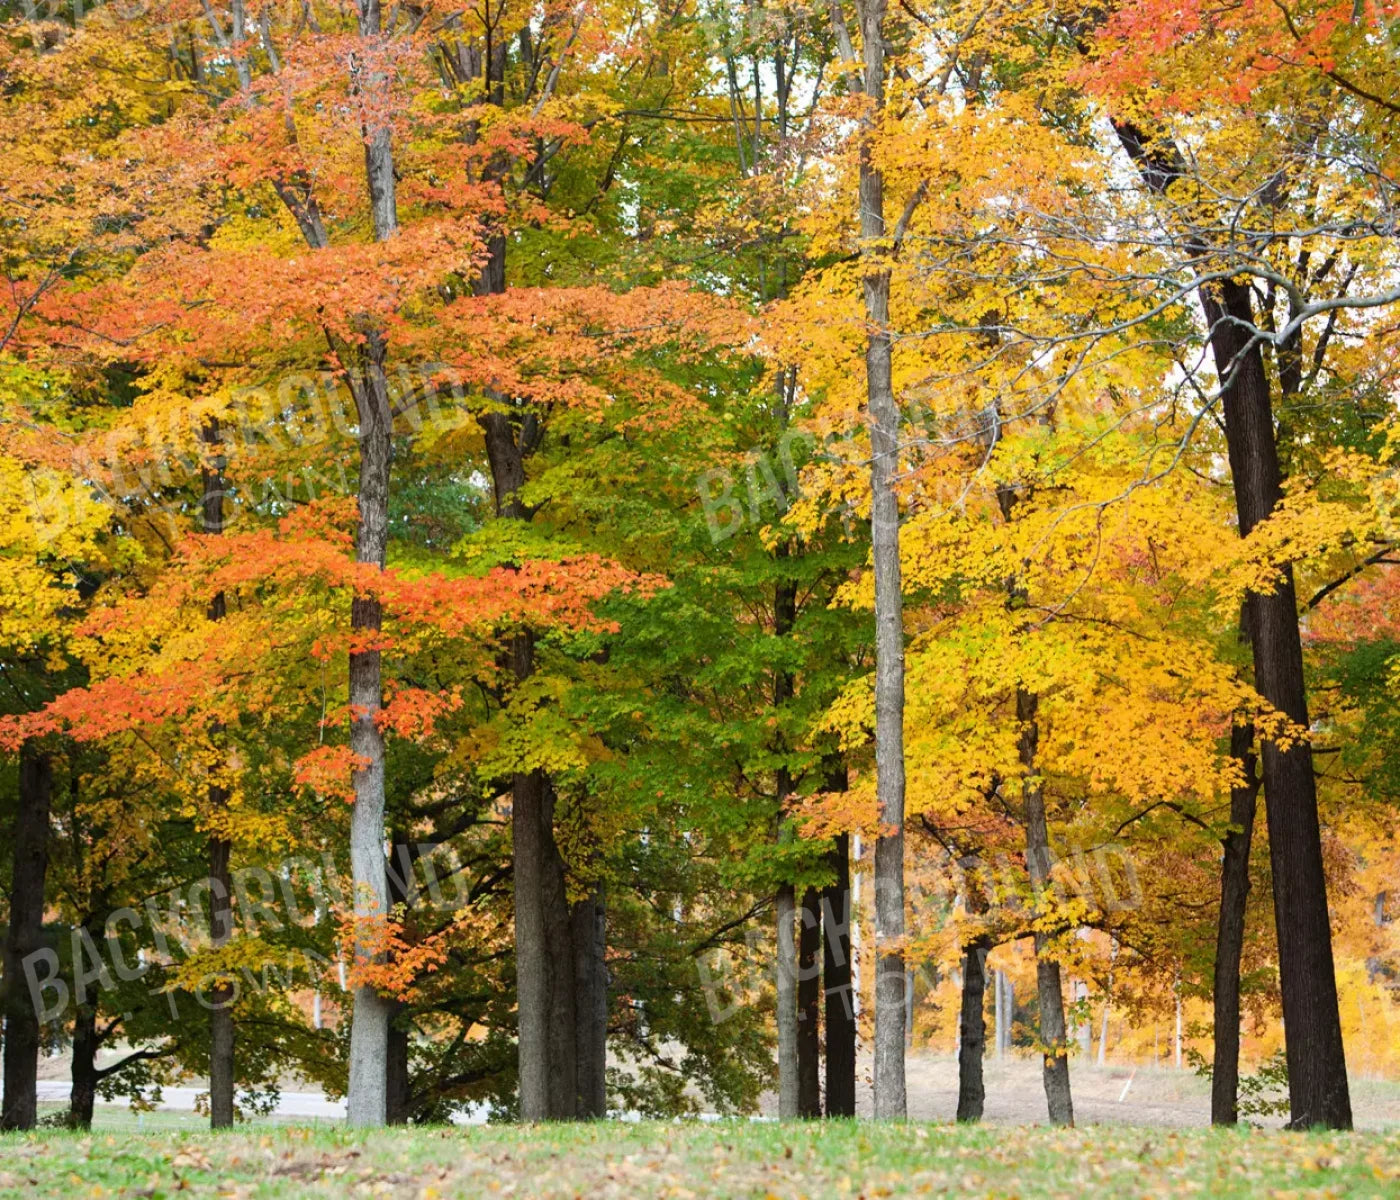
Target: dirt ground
x=1156 y=1096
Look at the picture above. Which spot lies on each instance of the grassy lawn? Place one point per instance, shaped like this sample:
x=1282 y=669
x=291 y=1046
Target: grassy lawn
x=739 y=1159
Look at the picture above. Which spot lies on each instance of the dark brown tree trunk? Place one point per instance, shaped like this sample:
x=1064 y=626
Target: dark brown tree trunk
x=1317 y=1079
x=30 y=839
x=809 y=986
x=591 y=1004
x=798 y=983
x=1054 y=1043
x=972 y=1021
x=398 y=1093
x=1317 y=1076
x=83 y=1095
x=563 y=1012
x=221 y=1032
x=1229 y=939
x=221 y=1062
x=836 y=982
x=398 y=1096
x=785 y=908
x=972 y=1031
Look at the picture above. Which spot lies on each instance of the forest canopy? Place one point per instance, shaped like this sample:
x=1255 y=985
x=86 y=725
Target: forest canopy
x=572 y=558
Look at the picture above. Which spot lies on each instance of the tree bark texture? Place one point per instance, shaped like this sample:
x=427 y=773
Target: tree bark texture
x=785 y=912
x=1054 y=1043
x=1317 y=1080
x=883 y=420
x=1229 y=937
x=25 y=936
x=222 y=1071
x=809 y=987
x=972 y=1032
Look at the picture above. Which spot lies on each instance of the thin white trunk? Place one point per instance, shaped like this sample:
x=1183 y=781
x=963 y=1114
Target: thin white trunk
x=1107 y=1003
x=999 y=1015
x=1178 y=1023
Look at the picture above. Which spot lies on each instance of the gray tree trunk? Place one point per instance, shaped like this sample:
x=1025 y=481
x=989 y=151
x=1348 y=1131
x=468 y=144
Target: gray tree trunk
x=883 y=420
x=369 y=1027
x=998 y=1015
x=786 y=964
x=1008 y=1004
x=366 y=1102
x=531 y=944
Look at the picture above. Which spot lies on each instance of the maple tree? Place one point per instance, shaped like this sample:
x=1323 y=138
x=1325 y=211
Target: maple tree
x=642 y=454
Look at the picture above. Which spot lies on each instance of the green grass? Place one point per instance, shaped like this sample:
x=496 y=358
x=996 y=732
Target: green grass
x=730 y=1159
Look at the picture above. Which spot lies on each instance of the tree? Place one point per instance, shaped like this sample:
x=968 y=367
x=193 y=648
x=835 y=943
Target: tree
x=1291 y=146
x=883 y=416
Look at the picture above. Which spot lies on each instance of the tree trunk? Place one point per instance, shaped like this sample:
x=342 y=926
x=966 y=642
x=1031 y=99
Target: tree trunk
x=221 y=1033
x=1317 y=1077
x=531 y=943
x=809 y=986
x=1107 y=1003
x=787 y=1004
x=1317 y=1081
x=1229 y=938
x=221 y=1064
x=999 y=1014
x=591 y=1004
x=366 y=1102
x=369 y=1027
x=972 y=1019
x=83 y=1095
x=972 y=1031
x=836 y=981
x=398 y=1091
x=883 y=420
x=25 y=936
x=1008 y=1006
x=398 y=1094
x=562 y=961
x=1050 y=994
x=1177 y=1038
x=546 y=955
